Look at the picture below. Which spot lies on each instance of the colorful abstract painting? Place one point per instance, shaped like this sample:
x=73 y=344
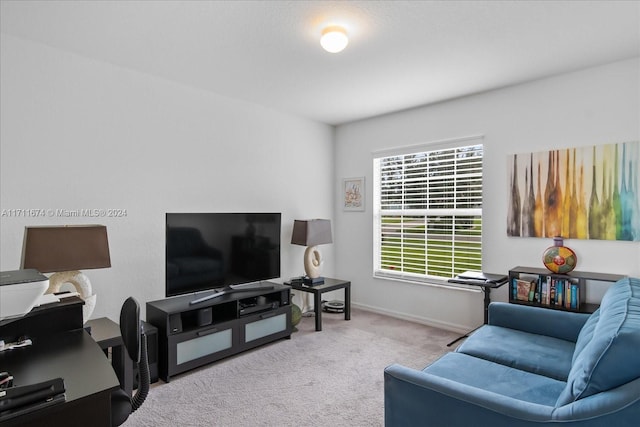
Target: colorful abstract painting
x=578 y=193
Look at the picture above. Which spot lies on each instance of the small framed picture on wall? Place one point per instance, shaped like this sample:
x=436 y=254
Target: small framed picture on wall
x=353 y=194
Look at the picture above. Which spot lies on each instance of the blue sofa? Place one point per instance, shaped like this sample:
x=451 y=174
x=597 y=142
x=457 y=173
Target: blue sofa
x=531 y=366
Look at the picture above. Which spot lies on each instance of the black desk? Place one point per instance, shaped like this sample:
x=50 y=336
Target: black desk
x=88 y=376
x=106 y=333
x=61 y=348
x=318 y=290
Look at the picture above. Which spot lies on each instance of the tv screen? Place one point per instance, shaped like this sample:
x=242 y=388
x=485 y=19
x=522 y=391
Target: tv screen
x=215 y=250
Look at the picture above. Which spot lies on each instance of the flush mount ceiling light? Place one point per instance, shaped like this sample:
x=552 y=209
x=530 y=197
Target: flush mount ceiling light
x=334 y=39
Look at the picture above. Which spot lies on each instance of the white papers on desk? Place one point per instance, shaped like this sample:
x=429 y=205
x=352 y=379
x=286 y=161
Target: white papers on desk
x=64 y=295
x=47 y=299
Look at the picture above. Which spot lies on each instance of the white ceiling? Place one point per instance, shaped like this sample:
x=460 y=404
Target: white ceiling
x=401 y=54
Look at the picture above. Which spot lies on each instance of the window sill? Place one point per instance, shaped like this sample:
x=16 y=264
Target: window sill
x=434 y=283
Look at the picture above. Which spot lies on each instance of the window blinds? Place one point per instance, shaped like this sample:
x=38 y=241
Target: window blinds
x=428 y=212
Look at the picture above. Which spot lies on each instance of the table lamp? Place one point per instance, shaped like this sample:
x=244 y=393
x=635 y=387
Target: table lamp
x=64 y=250
x=311 y=233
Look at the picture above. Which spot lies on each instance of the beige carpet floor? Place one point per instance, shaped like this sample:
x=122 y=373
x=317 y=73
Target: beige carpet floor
x=328 y=378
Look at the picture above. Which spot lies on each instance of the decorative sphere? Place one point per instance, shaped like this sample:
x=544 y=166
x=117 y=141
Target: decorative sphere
x=296 y=314
x=559 y=259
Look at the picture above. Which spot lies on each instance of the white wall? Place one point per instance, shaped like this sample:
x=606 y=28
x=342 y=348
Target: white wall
x=594 y=106
x=77 y=133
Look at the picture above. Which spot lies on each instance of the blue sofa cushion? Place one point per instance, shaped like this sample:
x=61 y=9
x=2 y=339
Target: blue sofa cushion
x=539 y=354
x=610 y=357
x=586 y=333
x=496 y=378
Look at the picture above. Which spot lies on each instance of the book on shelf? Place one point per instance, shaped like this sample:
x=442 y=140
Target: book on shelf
x=545 y=281
x=559 y=292
x=522 y=288
x=532 y=291
x=575 y=296
x=554 y=292
x=547 y=290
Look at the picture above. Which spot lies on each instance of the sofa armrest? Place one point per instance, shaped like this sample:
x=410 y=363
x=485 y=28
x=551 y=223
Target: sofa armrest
x=621 y=405
x=560 y=324
x=412 y=397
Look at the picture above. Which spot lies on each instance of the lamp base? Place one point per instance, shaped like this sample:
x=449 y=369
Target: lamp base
x=313 y=281
x=312 y=262
x=81 y=282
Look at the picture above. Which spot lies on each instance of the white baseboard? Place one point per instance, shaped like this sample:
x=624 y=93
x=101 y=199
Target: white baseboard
x=462 y=329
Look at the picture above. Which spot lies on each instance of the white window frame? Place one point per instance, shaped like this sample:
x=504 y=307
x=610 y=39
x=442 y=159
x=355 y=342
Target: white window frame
x=379 y=212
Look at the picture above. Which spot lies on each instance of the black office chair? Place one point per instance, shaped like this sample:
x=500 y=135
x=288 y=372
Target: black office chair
x=135 y=341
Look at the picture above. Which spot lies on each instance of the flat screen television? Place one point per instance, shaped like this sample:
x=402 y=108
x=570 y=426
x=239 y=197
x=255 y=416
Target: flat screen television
x=220 y=251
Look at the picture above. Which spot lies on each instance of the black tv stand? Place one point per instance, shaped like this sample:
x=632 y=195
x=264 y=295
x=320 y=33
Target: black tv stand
x=243 y=317
x=250 y=287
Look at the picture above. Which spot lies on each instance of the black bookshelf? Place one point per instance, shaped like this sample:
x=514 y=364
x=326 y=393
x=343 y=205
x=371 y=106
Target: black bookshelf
x=580 y=278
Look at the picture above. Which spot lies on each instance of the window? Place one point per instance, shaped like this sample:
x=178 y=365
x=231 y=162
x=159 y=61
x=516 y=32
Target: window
x=428 y=211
